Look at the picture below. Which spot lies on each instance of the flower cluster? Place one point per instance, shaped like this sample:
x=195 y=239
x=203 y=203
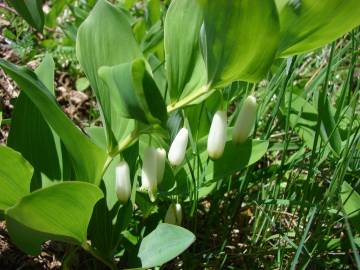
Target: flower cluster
x=242 y=129
x=153 y=166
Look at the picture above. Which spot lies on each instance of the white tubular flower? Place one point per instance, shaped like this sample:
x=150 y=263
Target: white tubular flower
x=149 y=172
x=122 y=182
x=245 y=121
x=174 y=214
x=178 y=147
x=161 y=155
x=217 y=135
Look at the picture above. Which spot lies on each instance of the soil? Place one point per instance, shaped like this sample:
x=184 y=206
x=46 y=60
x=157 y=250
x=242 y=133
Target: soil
x=12 y=258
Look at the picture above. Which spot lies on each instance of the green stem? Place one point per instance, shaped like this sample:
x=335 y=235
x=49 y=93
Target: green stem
x=98 y=256
x=130 y=139
x=188 y=99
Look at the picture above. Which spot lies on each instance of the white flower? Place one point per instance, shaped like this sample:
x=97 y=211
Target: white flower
x=160 y=164
x=217 y=135
x=149 y=172
x=122 y=182
x=245 y=121
x=178 y=147
x=174 y=214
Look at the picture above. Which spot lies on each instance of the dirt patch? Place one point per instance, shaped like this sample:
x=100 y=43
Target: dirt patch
x=13 y=258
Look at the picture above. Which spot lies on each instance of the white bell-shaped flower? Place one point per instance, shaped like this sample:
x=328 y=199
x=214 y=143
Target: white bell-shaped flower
x=217 y=135
x=161 y=156
x=122 y=182
x=245 y=120
x=149 y=172
x=178 y=147
x=174 y=214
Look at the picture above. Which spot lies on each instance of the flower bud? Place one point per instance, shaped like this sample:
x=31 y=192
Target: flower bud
x=122 y=182
x=177 y=149
x=160 y=164
x=217 y=135
x=245 y=121
x=149 y=172
x=174 y=214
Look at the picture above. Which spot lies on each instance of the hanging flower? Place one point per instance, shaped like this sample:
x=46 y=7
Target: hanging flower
x=245 y=121
x=160 y=164
x=174 y=214
x=122 y=182
x=178 y=147
x=149 y=172
x=217 y=135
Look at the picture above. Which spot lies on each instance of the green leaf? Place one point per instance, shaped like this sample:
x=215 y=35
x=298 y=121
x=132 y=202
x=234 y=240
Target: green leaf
x=234 y=159
x=184 y=64
x=237 y=157
x=82 y=84
x=31 y=11
x=239 y=40
x=130 y=155
x=15 y=177
x=163 y=244
x=105 y=38
x=40 y=146
x=135 y=92
x=308 y=24
x=60 y=212
x=329 y=129
x=88 y=159
x=303 y=117
x=351 y=203
x=154 y=11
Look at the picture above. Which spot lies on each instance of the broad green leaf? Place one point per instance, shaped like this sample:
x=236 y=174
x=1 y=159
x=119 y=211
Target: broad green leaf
x=184 y=64
x=308 y=24
x=239 y=40
x=159 y=73
x=154 y=11
x=60 y=212
x=350 y=199
x=163 y=244
x=88 y=159
x=130 y=155
x=31 y=11
x=135 y=92
x=105 y=38
x=199 y=116
x=329 y=130
x=238 y=157
x=303 y=117
x=153 y=40
x=40 y=146
x=235 y=157
x=15 y=177
x=82 y=84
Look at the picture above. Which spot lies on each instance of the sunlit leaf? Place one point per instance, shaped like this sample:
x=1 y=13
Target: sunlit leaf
x=60 y=212
x=184 y=64
x=105 y=38
x=239 y=39
x=88 y=159
x=308 y=24
x=15 y=177
x=135 y=92
x=163 y=244
x=31 y=11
